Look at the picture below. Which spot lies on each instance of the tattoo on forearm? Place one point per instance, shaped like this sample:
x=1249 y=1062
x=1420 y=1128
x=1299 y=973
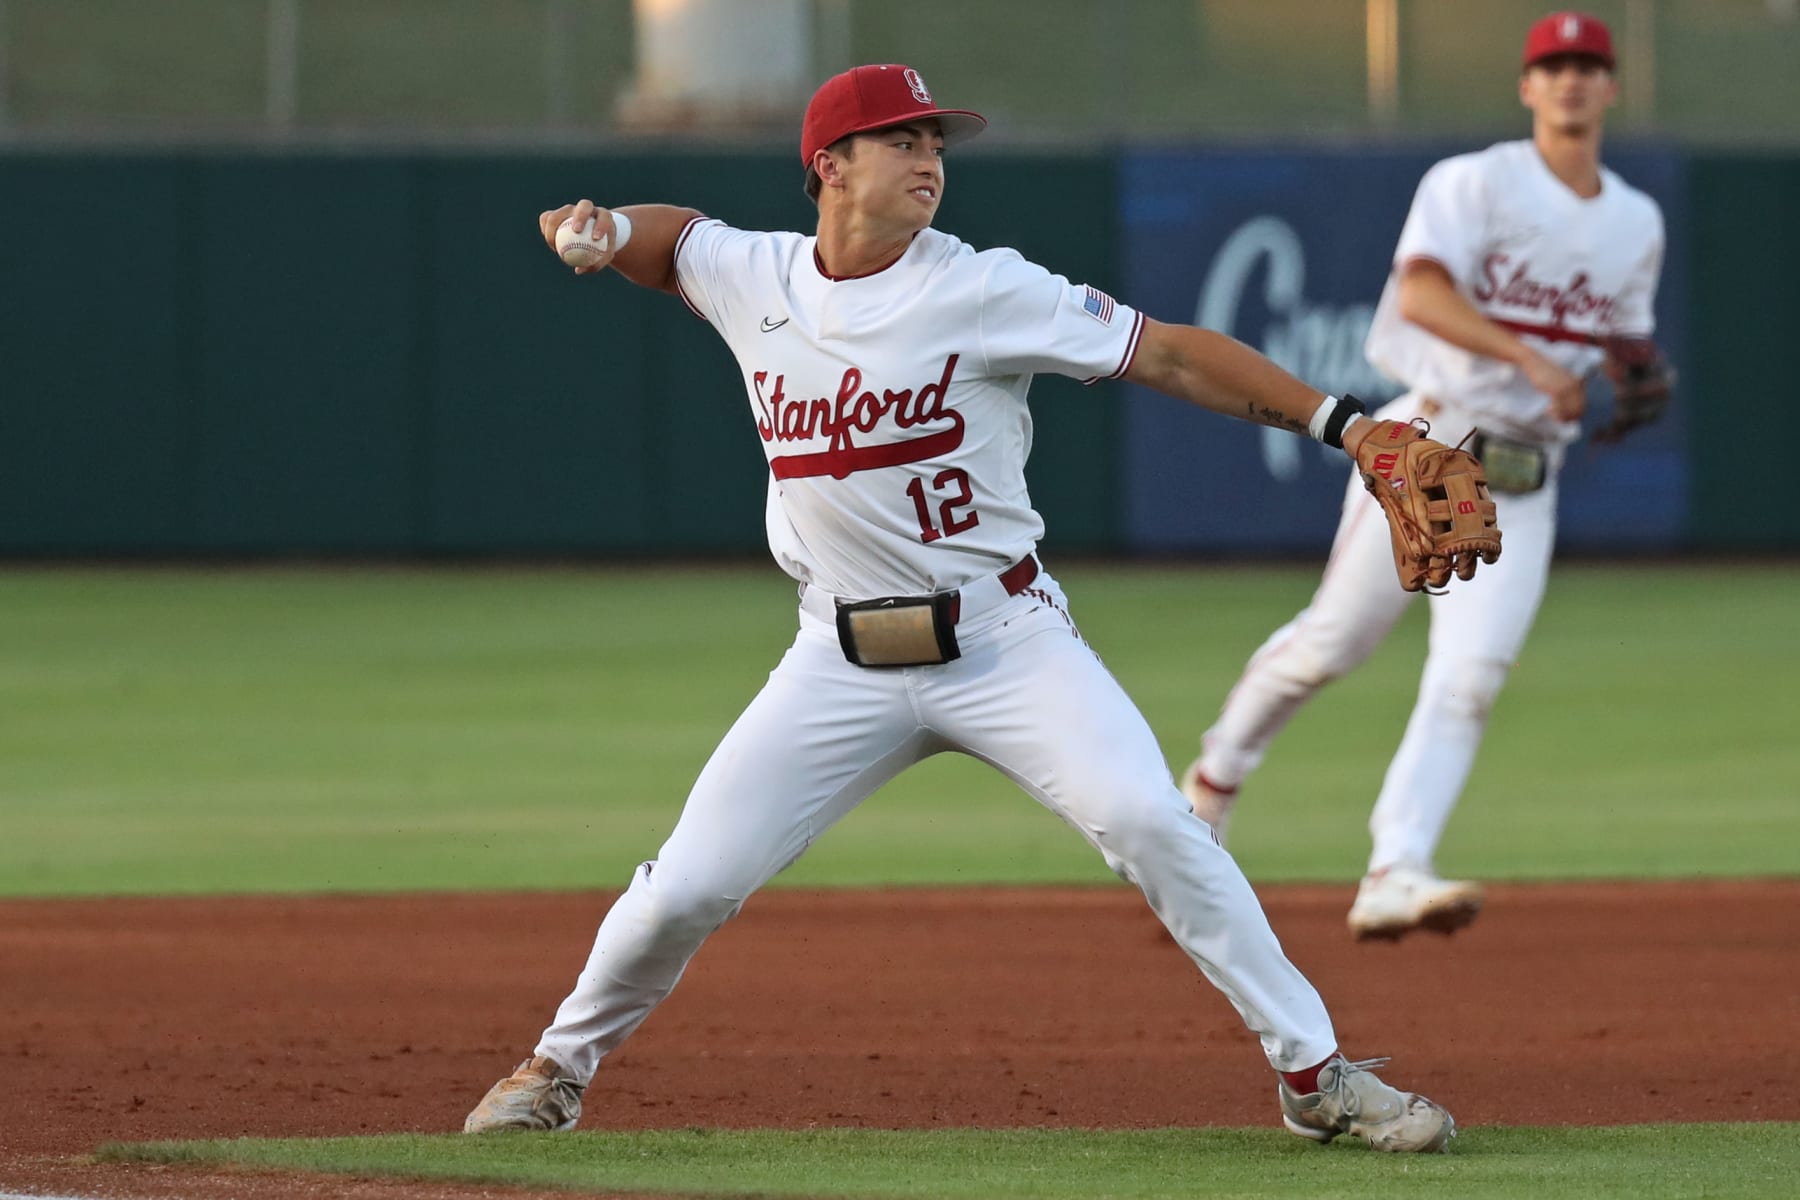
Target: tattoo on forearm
x=1280 y=420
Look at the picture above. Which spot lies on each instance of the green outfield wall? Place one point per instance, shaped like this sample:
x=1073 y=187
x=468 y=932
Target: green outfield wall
x=207 y=353
x=356 y=354
x=1745 y=229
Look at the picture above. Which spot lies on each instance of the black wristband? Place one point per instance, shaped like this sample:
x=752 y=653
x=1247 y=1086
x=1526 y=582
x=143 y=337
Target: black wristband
x=1347 y=407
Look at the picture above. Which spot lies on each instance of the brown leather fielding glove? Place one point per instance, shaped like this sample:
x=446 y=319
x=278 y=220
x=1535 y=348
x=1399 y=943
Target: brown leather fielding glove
x=1642 y=381
x=1436 y=502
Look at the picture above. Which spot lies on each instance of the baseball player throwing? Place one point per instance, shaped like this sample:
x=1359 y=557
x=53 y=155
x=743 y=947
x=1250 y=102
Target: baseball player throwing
x=1515 y=266
x=886 y=366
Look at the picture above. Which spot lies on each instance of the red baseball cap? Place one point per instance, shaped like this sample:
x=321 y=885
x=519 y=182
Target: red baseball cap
x=1568 y=33
x=874 y=97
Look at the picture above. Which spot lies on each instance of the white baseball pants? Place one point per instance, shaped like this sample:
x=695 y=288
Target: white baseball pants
x=1028 y=697
x=1478 y=627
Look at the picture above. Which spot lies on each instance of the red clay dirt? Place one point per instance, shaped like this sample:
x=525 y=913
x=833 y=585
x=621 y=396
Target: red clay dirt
x=127 y=1020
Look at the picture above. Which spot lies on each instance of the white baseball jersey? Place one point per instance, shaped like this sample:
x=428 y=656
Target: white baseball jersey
x=1534 y=257
x=1556 y=269
x=891 y=406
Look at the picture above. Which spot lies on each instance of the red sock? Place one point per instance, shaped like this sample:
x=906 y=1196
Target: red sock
x=1305 y=1083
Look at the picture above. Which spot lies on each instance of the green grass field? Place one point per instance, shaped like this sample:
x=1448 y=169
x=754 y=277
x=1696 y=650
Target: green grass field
x=1644 y=1162
x=305 y=730
x=294 y=729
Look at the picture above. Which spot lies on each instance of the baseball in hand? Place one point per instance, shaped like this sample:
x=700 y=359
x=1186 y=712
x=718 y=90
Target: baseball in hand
x=581 y=248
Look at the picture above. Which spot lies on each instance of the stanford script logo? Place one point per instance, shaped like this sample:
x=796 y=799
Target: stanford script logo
x=848 y=420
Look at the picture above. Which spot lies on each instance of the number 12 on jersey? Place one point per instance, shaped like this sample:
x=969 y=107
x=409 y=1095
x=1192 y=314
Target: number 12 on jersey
x=948 y=522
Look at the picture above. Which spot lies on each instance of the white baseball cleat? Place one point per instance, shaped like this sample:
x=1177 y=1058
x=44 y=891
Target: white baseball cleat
x=541 y=1095
x=1210 y=802
x=1394 y=901
x=1352 y=1100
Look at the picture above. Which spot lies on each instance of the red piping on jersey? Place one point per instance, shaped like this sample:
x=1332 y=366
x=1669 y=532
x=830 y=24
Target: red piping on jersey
x=680 y=241
x=1131 y=349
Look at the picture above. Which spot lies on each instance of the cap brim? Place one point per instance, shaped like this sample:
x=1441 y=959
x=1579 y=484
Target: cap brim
x=959 y=124
x=1604 y=60
x=956 y=124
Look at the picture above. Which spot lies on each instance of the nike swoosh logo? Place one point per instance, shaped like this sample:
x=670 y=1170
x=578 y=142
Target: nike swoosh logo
x=769 y=326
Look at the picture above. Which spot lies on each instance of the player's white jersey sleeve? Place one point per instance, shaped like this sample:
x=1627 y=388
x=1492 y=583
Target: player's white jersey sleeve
x=1032 y=321
x=712 y=263
x=1448 y=221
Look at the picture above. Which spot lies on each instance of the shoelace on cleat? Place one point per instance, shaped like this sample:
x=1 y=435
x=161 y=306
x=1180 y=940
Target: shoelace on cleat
x=1346 y=1096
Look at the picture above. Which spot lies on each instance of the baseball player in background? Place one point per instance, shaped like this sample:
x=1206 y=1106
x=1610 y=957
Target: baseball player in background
x=886 y=366
x=1515 y=265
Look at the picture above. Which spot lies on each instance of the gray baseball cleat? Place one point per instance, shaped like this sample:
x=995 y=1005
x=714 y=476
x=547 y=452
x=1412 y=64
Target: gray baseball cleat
x=1352 y=1100
x=542 y=1094
x=1210 y=802
x=1393 y=902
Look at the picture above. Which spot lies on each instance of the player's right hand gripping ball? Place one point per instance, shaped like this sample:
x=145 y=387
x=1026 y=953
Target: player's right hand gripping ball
x=1436 y=502
x=580 y=247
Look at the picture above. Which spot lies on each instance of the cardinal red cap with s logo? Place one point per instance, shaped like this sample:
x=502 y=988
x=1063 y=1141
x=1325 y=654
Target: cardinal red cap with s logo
x=1568 y=33
x=874 y=97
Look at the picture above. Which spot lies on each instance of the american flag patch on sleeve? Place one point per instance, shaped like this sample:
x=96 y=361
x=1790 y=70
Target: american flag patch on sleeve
x=1098 y=305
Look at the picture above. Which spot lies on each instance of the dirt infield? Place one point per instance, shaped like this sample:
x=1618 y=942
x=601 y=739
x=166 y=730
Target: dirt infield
x=185 y=1018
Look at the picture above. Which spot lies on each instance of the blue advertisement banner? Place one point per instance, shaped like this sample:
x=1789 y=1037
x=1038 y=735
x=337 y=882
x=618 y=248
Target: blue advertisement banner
x=1288 y=253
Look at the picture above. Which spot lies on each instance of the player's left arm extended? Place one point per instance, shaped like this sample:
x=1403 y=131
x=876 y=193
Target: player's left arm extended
x=1221 y=374
x=1435 y=498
